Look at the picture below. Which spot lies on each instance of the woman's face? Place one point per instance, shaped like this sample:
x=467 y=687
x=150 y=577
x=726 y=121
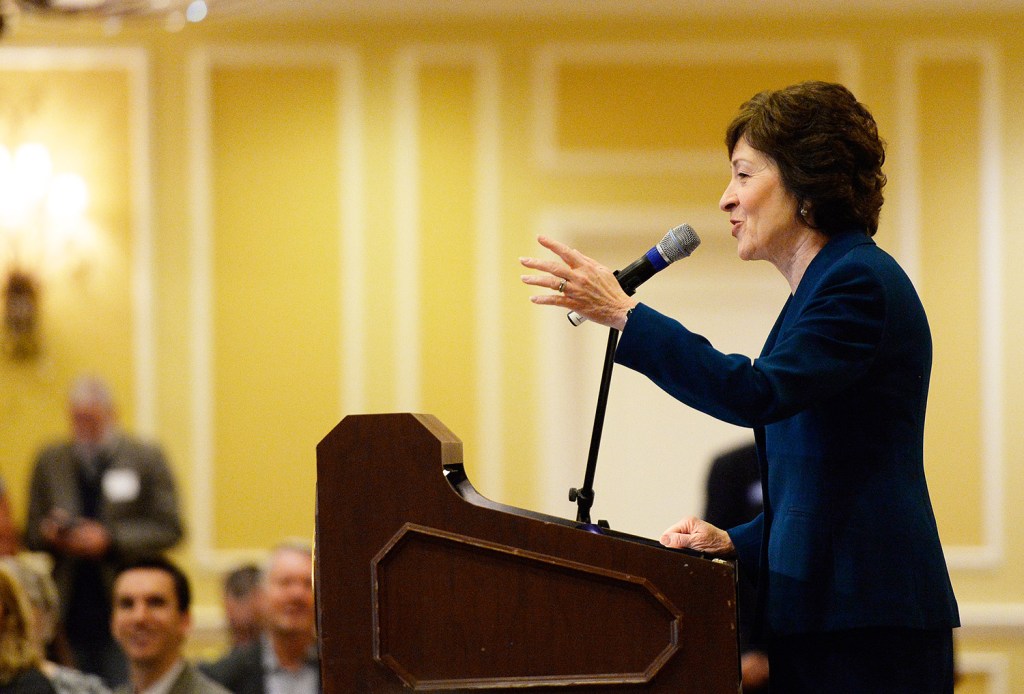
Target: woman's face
x=762 y=212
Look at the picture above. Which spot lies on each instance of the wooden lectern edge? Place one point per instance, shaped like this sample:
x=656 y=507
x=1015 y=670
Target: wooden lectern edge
x=451 y=445
x=461 y=485
x=448 y=449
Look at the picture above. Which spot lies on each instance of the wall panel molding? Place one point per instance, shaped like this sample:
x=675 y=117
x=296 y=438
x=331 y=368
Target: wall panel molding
x=549 y=58
x=994 y=667
x=134 y=62
x=991 y=553
x=352 y=234
x=484 y=63
x=980 y=616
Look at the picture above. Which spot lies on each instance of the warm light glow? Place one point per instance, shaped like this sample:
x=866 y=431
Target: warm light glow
x=32 y=171
x=68 y=198
x=175 y=21
x=42 y=227
x=8 y=204
x=40 y=213
x=196 y=11
x=113 y=25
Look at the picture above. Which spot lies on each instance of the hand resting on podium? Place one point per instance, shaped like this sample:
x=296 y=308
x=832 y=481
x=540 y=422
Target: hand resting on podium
x=693 y=533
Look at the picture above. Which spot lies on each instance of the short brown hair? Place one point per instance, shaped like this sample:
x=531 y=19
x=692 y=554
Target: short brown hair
x=827 y=148
x=157 y=562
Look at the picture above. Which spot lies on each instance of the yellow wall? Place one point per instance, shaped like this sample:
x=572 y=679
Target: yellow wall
x=301 y=222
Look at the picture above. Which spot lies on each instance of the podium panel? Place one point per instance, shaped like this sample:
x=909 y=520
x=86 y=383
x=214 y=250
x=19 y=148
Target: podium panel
x=424 y=585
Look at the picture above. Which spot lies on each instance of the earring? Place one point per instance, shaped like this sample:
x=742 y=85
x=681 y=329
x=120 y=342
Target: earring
x=803 y=212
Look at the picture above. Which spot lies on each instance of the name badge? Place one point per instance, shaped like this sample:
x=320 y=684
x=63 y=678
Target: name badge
x=121 y=485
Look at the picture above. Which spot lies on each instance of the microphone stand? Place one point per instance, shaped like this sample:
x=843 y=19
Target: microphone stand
x=584 y=496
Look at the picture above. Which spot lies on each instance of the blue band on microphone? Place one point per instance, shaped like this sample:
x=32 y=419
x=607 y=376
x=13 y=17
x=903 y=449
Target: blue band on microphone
x=656 y=260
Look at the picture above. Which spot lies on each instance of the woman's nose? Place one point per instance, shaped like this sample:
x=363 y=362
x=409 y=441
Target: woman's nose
x=728 y=200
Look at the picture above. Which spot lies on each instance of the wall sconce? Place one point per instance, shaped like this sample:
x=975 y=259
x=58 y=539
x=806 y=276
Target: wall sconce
x=41 y=214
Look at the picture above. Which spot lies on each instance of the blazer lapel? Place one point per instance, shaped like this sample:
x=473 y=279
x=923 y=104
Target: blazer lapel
x=774 y=334
x=836 y=248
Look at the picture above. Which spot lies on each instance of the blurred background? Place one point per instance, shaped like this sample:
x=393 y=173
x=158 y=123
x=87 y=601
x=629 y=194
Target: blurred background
x=275 y=214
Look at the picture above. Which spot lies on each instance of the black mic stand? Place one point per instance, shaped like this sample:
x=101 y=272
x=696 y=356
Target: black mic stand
x=584 y=496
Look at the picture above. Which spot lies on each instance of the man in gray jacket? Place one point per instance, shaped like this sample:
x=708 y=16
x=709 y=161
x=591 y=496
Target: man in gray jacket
x=95 y=502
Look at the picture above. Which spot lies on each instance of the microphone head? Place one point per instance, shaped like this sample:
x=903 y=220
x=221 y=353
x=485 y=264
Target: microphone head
x=678 y=243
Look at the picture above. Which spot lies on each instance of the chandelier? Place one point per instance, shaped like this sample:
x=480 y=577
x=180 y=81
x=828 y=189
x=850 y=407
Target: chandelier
x=104 y=7
x=175 y=13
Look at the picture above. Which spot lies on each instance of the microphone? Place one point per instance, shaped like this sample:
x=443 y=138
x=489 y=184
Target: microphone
x=678 y=243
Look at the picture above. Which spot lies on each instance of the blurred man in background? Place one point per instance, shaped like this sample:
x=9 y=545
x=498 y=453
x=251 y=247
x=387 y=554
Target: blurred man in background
x=734 y=496
x=96 y=501
x=242 y=597
x=284 y=660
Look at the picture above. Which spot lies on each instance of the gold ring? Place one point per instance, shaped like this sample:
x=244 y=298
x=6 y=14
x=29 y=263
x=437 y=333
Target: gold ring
x=561 y=287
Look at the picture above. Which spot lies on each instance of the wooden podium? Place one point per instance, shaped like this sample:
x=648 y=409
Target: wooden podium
x=424 y=585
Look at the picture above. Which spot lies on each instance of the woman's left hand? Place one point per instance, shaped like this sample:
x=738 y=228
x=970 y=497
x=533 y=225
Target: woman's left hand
x=701 y=536
x=583 y=285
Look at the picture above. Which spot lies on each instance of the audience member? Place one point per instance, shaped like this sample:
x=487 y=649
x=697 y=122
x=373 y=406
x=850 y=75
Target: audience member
x=96 y=501
x=19 y=657
x=10 y=542
x=284 y=659
x=42 y=597
x=734 y=497
x=734 y=486
x=151 y=621
x=242 y=604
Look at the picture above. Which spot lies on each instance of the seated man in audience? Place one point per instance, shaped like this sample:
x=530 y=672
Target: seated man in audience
x=242 y=604
x=151 y=622
x=284 y=659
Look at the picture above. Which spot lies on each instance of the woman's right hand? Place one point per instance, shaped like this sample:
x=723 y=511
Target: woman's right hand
x=581 y=284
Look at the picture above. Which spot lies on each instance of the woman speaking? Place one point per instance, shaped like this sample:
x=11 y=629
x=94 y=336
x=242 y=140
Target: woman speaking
x=853 y=591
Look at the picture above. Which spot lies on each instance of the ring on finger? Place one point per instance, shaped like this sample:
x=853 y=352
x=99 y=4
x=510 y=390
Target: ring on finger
x=561 y=287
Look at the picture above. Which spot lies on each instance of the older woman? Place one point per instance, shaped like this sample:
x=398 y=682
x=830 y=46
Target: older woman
x=854 y=594
x=34 y=579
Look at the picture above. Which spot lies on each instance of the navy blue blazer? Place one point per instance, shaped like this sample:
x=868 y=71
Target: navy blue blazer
x=847 y=538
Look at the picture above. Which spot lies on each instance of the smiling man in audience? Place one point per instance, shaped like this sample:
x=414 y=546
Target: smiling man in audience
x=151 y=622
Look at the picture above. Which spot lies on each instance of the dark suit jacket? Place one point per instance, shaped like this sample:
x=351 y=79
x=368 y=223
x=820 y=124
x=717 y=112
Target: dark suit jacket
x=734 y=487
x=141 y=514
x=240 y=671
x=31 y=681
x=733 y=497
x=837 y=400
